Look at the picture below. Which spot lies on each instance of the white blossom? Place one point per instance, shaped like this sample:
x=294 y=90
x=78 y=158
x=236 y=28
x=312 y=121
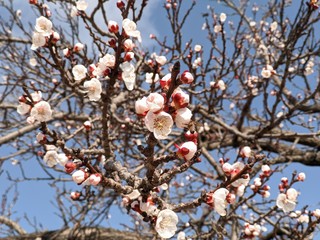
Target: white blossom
x=219 y=201
x=186 y=77
x=316 y=213
x=43 y=26
x=36 y=96
x=51 y=158
x=267 y=71
x=197 y=62
x=149 y=77
x=183 y=117
x=128 y=45
x=166 y=224
x=130 y=28
x=79 y=72
x=62 y=159
x=223 y=17
x=221 y=85
x=141 y=106
x=155 y=102
x=33 y=62
x=301 y=176
x=287 y=202
x=41 y=111
x=180 y=99
x=23 y=108
x=161 y=60
x=236 y=168
x=113 y=26
x=133 y=195
x=78 y=176
x=217 y=28
x=128 y=75
x=94 y=89
x=245 y=151
x=81 y=5
x=38 y=40
x=107 y=61
x=197 y=48
x=160 y=124
x=273 y=26
x=181 y=236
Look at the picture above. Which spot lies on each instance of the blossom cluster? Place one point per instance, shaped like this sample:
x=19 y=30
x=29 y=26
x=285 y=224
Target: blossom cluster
x=287 y=197
x=160 y=114
x=221 y=197
x=258 y=183
x=76 y=167
x=165 y=220
x=43 y=33
x=39 y=109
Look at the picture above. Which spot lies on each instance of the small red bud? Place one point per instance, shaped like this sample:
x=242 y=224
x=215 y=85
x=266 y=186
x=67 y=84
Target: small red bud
x=120 y=4
x=112 y=43
x=75 y=195
x=70 y=167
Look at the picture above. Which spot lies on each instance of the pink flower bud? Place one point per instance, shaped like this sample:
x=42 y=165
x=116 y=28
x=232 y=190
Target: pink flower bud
x=75 y=195
x=95 y=179
x=87 y=125
x=128 y=56
x=180 y=99
x=245 y=152
x=191 y=136
x=227 y=168
x=301 y=177
x=70 y=167
x=66 y=52
x=187 y=150
x=55 y=37
x=78 y=47
x=120 y=4
x=231 y=198
x=113 y=27
x=22 y=99
x=112 y=43
x=54 y=81
x=168 y=6
x=266 y=170
x=41 y=138
x=128 y=45
x=265 y=194
x=186 y=77
x=165 y=82
x=266 y=187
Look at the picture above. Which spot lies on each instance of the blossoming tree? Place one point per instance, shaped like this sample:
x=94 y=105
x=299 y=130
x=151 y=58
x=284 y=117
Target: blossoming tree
x=185 y=135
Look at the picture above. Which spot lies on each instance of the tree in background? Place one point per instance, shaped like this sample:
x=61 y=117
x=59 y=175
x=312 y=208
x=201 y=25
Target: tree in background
x=184 y=137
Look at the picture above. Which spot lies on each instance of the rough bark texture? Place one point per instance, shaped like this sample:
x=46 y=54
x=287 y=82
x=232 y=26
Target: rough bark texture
x=81 y=234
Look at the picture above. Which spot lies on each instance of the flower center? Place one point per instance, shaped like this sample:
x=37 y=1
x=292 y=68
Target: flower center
x=159 y=123
x=165 y=222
